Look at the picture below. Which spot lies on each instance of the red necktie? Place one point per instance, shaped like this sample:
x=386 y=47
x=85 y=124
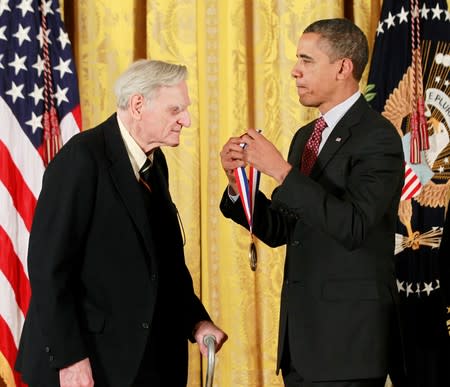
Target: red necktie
x=311 y=150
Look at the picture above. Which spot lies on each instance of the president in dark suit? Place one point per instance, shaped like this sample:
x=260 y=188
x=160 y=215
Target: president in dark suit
x=112 y=299
x=335 y=210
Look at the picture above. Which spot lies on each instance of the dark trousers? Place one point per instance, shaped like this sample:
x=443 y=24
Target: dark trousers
x=292 y=378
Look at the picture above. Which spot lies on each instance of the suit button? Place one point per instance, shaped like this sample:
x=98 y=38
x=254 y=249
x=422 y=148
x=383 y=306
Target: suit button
x=154 y=276
x=286 y=282
x=145 y=325
x=295 y=243
x=47 y=349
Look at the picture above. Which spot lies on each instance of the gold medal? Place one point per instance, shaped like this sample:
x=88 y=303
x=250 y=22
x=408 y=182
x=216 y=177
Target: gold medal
x=252 y=255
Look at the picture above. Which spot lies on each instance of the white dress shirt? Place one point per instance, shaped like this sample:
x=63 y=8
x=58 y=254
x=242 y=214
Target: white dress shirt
x=333 y=116
x=135 y=153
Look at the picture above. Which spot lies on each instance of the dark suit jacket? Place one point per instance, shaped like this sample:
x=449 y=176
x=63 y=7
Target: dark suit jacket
x=338 y=293
x=94 y=270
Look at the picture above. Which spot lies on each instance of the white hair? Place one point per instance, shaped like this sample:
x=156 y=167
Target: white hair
x=145 y=77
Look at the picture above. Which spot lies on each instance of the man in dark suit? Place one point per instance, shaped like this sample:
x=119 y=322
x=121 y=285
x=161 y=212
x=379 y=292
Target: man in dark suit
x=336 y=214
x=112 y=299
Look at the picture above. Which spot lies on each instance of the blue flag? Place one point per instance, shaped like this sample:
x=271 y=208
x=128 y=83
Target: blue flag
x=409 y=83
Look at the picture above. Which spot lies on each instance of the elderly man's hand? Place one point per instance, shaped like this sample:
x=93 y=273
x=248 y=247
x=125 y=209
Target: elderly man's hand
x=205 y=328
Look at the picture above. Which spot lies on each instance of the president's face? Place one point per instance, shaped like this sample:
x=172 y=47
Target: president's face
x=315 y=75
x=165 y=115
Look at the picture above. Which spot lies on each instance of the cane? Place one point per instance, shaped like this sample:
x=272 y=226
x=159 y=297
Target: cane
x=210 y=342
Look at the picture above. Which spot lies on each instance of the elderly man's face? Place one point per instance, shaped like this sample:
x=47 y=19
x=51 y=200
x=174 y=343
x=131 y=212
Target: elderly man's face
x=164 y=116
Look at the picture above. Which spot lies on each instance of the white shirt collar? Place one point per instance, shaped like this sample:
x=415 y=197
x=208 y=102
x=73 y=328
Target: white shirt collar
x=135 y=153
x=333 y=116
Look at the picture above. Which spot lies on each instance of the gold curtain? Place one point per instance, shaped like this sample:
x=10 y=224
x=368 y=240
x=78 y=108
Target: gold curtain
x=239 y=54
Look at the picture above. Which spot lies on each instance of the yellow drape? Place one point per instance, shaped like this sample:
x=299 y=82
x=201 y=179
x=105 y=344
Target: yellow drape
x=239 y=54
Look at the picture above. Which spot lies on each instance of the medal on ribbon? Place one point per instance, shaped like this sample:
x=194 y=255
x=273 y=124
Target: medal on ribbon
x=247 y=192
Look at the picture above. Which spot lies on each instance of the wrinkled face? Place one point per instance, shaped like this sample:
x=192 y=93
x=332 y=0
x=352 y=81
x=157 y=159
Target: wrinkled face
x=315 y=76
x=163 y=117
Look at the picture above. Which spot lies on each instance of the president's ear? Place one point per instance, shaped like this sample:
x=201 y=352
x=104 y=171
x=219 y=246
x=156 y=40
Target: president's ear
x=346 y=68
x=136 y=105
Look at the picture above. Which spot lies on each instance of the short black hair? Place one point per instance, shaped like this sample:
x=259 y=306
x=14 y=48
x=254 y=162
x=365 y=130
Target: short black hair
x=345 y=40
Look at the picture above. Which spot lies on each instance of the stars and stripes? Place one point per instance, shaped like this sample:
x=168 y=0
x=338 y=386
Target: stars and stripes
x=412 y=184
x=404 y=16
x=29 y=46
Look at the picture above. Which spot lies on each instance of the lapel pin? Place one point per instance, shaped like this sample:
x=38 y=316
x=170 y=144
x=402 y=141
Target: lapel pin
x=338 y=139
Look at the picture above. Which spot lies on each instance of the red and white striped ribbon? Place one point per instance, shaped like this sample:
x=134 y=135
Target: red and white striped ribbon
x=247 y=190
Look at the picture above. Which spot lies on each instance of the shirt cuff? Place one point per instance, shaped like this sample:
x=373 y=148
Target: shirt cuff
x=233 y=198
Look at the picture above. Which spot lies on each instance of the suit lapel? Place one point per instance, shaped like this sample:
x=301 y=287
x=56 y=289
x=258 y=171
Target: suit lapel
x=339 y=135
x=335 y=141
x=298 y=144
x=160 y=175
x=125 y=181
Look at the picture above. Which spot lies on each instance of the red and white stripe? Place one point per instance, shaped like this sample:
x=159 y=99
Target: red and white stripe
x=412 y=185
x=21 y=171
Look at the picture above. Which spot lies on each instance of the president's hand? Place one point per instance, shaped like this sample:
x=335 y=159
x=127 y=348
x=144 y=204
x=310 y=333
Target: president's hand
x=77 y=375
x=263 y=155
x=205 y=328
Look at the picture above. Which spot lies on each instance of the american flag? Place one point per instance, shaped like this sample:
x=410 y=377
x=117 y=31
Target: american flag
x=412 y=184
x=39 y=111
